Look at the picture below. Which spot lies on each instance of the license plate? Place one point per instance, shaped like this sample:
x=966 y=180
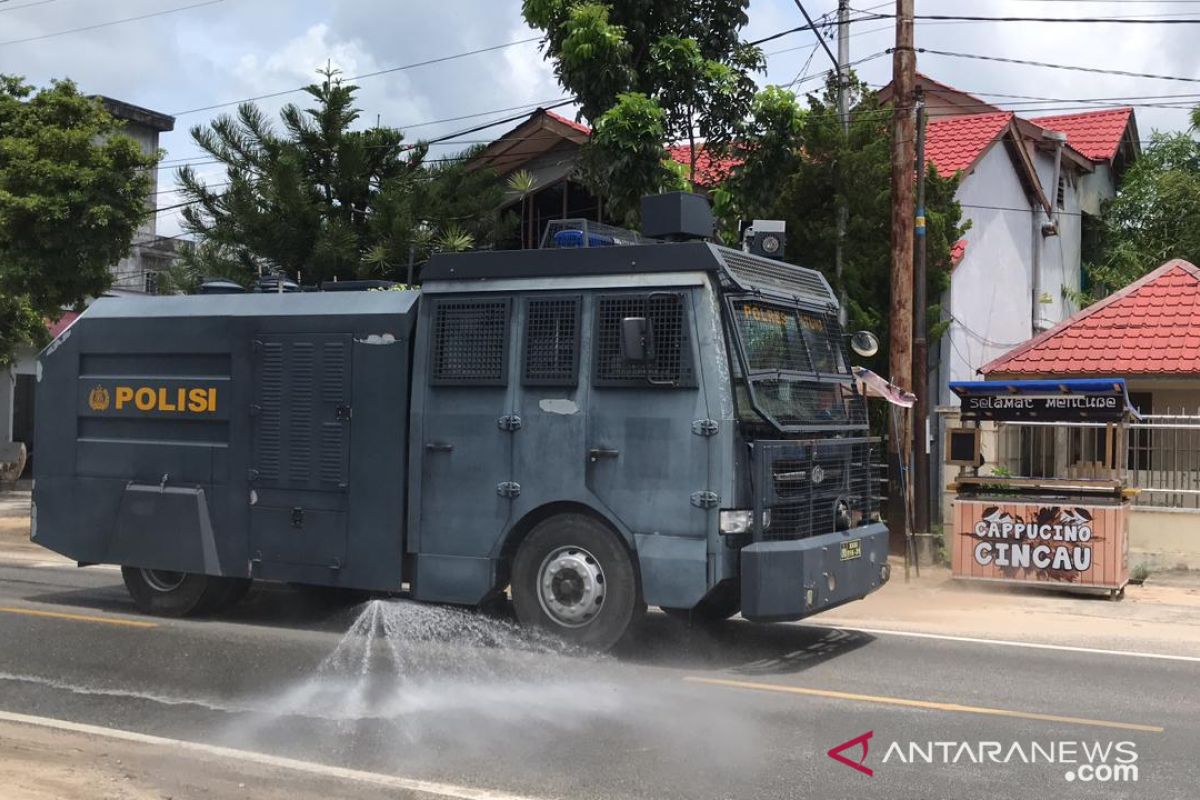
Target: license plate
x=851 y=549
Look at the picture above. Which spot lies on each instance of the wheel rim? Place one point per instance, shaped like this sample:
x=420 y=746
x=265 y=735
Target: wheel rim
x=163 y=580
x=571 y=586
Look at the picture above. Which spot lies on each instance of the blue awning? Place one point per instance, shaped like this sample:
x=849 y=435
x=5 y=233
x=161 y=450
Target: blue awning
x=1074 y=398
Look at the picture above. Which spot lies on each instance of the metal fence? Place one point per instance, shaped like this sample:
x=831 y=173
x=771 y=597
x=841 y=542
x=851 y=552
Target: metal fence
x=1159 y=455
x=1164 y=460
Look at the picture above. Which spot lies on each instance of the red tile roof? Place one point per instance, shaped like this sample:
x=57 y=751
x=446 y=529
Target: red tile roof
x=709 y=171
x=1096 y=134
x=956 y=143
x=958 y=251
x=56 y=328
x=576 y=125
x=1151 y=327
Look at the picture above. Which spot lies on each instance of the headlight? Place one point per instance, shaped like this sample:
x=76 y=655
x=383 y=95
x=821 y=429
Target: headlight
x=741 y=521
x=736 y=521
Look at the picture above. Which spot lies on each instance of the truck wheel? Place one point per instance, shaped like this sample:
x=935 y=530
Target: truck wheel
x=178 y=594
x=574 y=577
x=223 y=593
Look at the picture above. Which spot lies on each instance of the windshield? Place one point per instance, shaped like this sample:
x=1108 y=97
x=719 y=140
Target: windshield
x=790 y=354
x=777 y=339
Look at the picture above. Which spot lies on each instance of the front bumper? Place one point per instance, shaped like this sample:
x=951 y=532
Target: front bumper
x=786 y=580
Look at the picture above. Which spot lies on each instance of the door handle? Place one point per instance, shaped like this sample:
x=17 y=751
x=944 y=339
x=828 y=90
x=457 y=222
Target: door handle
x=439 y=447
x=597 y=454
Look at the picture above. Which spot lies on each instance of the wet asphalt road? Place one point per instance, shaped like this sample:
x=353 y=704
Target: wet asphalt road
x=738 y=711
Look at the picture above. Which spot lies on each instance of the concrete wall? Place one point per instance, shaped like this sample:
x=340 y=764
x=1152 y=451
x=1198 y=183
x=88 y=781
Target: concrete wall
x=129 y=273
x=1164 y=539
x=1169 y=396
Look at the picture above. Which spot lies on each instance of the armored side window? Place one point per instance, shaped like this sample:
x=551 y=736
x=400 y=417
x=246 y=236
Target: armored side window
x=668 y=361
x=552 y=341
x=470 y=343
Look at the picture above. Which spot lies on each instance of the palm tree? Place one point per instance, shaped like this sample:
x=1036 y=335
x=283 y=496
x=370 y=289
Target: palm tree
x=524 y=183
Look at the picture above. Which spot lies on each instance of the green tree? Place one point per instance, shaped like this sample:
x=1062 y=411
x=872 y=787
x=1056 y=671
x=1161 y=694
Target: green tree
x=1154 y=217
x=625 y=159
x=805 y=162
x=72 y=195
x=682 y=56
x=324 y=200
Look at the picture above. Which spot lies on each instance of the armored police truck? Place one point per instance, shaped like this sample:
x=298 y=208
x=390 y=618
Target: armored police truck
x=591 y=428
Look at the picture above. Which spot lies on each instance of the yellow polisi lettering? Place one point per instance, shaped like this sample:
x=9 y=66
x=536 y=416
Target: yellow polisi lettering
x=144 y=399
x=199 y=400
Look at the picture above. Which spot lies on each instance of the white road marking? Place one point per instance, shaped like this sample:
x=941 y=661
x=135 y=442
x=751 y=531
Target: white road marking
x=1006 y=642
x=379 y=779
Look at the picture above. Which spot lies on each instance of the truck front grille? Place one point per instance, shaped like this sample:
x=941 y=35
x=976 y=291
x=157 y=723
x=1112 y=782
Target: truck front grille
x=815 y=486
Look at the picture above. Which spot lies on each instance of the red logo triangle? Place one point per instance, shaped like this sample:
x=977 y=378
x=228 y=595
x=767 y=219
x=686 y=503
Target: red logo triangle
x=836 y=752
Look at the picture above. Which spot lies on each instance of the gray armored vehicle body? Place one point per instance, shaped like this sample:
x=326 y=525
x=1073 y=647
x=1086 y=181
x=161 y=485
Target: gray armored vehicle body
x=592 y=430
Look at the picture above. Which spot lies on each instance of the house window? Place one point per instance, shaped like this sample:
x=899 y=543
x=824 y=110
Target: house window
x=1062 y=191
x=150 y=282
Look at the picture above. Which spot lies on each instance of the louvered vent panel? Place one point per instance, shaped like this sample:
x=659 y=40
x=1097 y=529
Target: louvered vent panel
x=269 y=425
x=333 y=435
x=805 y=284
x=300 y=404
x=303 y=415
x=333 y=369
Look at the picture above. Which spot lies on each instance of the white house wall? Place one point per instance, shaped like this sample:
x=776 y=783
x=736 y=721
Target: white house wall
x=1097 y=188
x=990 y=291
x=1060 y=255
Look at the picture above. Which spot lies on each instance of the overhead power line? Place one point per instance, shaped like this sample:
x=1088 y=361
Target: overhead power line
x=111 y=23
x=551 y=103
x=820 y=38
x=376 y=73
x=27 y=5
x=1142 y=19
x=1048 y=65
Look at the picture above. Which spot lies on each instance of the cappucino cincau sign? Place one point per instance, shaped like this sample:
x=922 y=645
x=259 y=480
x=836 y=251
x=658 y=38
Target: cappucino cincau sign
x=1083 y=545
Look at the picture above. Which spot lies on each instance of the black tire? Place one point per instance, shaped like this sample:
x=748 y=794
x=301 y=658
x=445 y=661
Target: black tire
x=576 y=555
x=174 y=594
x=223 y=593
x=718 y=605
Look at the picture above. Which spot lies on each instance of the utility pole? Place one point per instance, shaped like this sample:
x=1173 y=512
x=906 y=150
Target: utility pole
x=843 y=101
x=900 y=318
x=920 y=362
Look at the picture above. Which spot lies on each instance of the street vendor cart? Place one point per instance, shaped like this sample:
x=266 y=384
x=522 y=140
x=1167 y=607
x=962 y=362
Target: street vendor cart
x=1041 y=497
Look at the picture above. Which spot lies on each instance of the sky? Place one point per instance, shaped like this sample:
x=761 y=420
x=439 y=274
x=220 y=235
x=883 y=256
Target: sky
x=208 y=52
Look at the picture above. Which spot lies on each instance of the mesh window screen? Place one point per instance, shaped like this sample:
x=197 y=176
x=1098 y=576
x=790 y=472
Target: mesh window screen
x=670 y=355
x=470 y=343
x=552 y=342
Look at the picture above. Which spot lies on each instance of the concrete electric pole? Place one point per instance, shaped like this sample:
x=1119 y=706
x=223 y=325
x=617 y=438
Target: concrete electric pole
x=920 y=363
x=900 y=316
x=843 y=99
